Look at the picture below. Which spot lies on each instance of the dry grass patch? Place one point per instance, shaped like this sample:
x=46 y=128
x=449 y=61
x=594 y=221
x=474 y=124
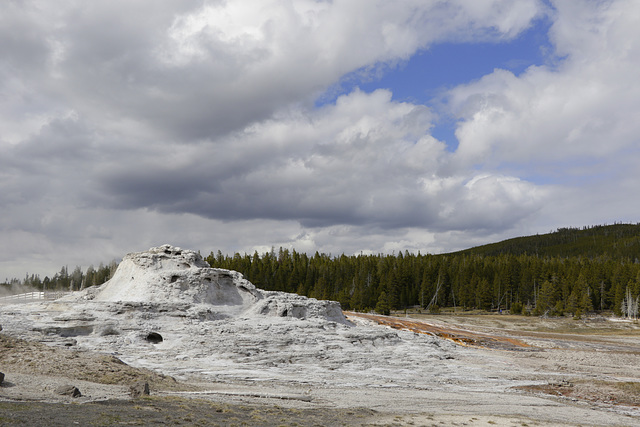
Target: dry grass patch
x=27 y=357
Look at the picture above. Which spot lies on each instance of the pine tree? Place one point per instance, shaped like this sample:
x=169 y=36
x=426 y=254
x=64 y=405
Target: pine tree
x=382 y=307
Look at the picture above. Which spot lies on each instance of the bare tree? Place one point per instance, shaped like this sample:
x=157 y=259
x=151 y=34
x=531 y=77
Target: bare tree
x=629 y=306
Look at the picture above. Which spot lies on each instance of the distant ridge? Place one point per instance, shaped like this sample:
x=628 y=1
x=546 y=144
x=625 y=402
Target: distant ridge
x=617 y=241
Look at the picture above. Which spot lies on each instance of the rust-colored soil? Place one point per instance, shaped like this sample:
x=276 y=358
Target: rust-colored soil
x=459 y=336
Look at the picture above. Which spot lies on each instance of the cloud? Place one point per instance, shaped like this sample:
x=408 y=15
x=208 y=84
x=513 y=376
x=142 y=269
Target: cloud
x=568 y=128
x=581 y=107
x=360 y=160
x=364 y=160
x=189 y=122
x=199 y=70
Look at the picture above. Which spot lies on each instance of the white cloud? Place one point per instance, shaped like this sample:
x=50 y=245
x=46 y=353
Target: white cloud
x=198 y=70
x=197 y=116
x=583 y=107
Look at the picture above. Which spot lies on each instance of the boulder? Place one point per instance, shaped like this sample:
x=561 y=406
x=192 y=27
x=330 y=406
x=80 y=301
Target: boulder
x=140 y=388
x=68 y=390
x=1 y=378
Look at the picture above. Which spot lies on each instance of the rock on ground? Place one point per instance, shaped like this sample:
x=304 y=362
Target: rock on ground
x=68 y=390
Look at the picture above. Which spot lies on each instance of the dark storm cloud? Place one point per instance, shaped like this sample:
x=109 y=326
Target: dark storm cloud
x=348 y=164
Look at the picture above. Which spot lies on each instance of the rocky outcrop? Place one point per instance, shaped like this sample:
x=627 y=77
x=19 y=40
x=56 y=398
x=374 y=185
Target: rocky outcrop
x=282 y=304
x=172 y=276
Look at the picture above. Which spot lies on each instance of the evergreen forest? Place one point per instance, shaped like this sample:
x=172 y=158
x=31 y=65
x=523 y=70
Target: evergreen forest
x=62 y=280
x=570 y=271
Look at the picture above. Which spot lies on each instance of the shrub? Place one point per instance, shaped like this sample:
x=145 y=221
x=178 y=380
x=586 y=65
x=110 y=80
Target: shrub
x=516 y=308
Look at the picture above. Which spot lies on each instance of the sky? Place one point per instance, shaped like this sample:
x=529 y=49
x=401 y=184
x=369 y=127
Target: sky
x=344 y=126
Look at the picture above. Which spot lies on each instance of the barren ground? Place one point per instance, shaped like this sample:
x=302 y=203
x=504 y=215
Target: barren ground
x=565 y=371
x=594 y=359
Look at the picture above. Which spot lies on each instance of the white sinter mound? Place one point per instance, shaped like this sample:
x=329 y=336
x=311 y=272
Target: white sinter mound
x=171 y=275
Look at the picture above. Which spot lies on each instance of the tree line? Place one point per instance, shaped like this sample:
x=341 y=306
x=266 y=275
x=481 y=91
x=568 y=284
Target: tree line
x=569 y=271
x=519 y=283
x=64 y=280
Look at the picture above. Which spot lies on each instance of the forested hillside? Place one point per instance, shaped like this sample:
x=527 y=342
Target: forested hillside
x=619 y=241
x=569 y=271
